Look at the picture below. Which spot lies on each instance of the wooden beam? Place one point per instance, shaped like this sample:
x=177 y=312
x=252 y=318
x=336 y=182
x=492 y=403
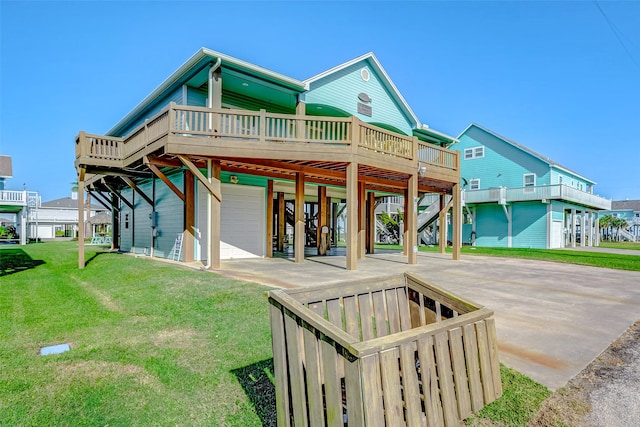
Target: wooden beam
x=195 y=171
x=411 y=219
x=270 y=215
x=157 y=172
x=137 y=189
x=352 y=216
x=282 y=220
x=371 y=222
x=118 y=195
x=456 y=223
x=299 y=231
x=81 y=218
x=94 y=194
x=362 y=219
x=162 y=162
x=189 y=217
x=322 y=238
x=442 y=223
x=215 y=219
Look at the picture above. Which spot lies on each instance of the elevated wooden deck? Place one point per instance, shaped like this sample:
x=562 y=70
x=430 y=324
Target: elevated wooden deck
x=275 y=145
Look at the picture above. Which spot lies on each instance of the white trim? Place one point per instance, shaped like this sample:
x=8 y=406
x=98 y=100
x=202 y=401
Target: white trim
x=476 y=152
x=528 y=187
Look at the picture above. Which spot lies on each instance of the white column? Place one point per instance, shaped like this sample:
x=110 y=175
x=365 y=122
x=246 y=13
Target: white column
x=573 y=228
x=583 y=227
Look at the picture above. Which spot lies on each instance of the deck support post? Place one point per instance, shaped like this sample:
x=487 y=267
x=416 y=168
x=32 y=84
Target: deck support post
x=282 y=220
x=115 y=223
x=442 y=225
x=214 y=209
x=299 y=231
x=322 y=239
x=269 y=237
x=189 y=217
x=371 y=222
x=81 y=218
x=352 y=216
x=362 y=219
x=456 y=222
x=583 y=227
x=411 y=220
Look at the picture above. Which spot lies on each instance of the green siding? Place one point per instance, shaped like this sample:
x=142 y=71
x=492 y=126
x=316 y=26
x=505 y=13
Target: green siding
x=126 y=233
x=170 y=214
x=175 y=96
x=491 y=226
x=340 y=90
x=529 y=227
x=503 y=164
x=141 y=221
x=569 y=180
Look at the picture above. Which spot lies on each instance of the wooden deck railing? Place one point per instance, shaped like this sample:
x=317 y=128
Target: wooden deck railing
x=261 y=127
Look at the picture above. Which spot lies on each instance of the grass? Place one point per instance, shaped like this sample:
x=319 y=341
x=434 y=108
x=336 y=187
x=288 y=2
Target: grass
x=151 y=344
x=620 y=245
x=594 y=259
x=520 y=401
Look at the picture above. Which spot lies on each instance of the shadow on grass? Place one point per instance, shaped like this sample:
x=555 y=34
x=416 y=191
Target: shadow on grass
x=256 y=380
x=15 y=261
x=93 y=257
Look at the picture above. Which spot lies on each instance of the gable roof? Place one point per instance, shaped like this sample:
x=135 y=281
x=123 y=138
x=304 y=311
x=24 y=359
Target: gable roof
x=371 y=59
x=625 y=204
x=521 y=147
x=197 y=62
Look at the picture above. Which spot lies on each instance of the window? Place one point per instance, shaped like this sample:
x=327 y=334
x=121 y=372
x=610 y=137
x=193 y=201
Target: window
x=529 y=182
x=473 y=153
x=474 y=184
x=560 y=179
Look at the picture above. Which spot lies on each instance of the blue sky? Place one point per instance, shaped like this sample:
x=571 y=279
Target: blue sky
x=561 y=77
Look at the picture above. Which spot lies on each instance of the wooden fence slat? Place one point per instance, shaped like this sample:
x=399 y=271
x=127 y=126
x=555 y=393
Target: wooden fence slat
x=335 y=312
x=298 y=395
x=485 y=362
x=380 y=313
x=372 y=400
x=473 y=369
x=403 y=309
x=332 y=386
x=460 y=373
x=351 y=316
x=314 y=379
x=280 y=367
x=493 y=355
x=393 y=310
x=447 y=392
x=366 y=322
x=392 y=396
x=411 y=385
x=353 y=390
x=429 y=378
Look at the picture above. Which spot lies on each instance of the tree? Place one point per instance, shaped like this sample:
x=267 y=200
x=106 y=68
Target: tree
x=606 y=224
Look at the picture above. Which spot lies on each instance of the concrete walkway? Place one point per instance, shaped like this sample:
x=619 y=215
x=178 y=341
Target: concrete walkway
x=552 y=319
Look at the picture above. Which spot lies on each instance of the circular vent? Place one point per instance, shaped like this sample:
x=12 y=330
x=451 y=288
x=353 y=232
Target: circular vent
x=364 y=73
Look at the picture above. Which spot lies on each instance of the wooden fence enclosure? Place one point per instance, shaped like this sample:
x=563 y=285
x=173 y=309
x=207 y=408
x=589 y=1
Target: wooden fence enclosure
x=391 y=353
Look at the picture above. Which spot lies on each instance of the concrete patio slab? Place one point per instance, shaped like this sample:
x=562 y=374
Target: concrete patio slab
x=552 y=319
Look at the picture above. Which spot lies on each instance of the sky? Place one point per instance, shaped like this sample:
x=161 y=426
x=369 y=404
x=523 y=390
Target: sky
x=560 y=77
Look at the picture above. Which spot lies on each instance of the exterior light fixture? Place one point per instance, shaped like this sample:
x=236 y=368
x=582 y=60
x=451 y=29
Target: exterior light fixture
x=422 y=170
x=233 y=179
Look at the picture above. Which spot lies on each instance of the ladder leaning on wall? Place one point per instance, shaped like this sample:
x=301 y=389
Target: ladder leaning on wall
x=176 y=251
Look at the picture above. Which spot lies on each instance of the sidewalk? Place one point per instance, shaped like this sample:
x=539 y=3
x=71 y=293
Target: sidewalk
x=552 y=319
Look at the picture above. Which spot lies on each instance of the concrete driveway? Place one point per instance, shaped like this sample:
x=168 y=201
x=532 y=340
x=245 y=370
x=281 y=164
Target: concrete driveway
x=552 y=319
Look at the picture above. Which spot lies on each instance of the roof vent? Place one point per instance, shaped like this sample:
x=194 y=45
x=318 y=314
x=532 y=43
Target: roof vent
x=364 y=73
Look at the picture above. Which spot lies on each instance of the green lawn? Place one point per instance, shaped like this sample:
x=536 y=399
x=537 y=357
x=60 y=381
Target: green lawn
x=621 y=245
x=151 y=344
x=568 y=256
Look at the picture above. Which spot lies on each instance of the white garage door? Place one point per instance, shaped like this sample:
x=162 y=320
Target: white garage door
x=556 y=234
x=242 y=227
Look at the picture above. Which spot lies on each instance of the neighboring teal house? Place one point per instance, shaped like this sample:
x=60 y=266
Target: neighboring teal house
x=227 y=159
x=515 y=197
x=629 y=210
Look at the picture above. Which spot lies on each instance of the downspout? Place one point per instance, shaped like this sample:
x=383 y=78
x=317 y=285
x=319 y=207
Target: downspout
x=213 y=68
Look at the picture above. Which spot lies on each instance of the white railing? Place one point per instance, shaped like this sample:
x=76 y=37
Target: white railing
x=546 y=192
x=20 y=198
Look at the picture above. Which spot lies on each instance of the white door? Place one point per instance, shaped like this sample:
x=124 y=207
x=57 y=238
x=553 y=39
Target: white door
x=242 y=225
x=556 y=234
